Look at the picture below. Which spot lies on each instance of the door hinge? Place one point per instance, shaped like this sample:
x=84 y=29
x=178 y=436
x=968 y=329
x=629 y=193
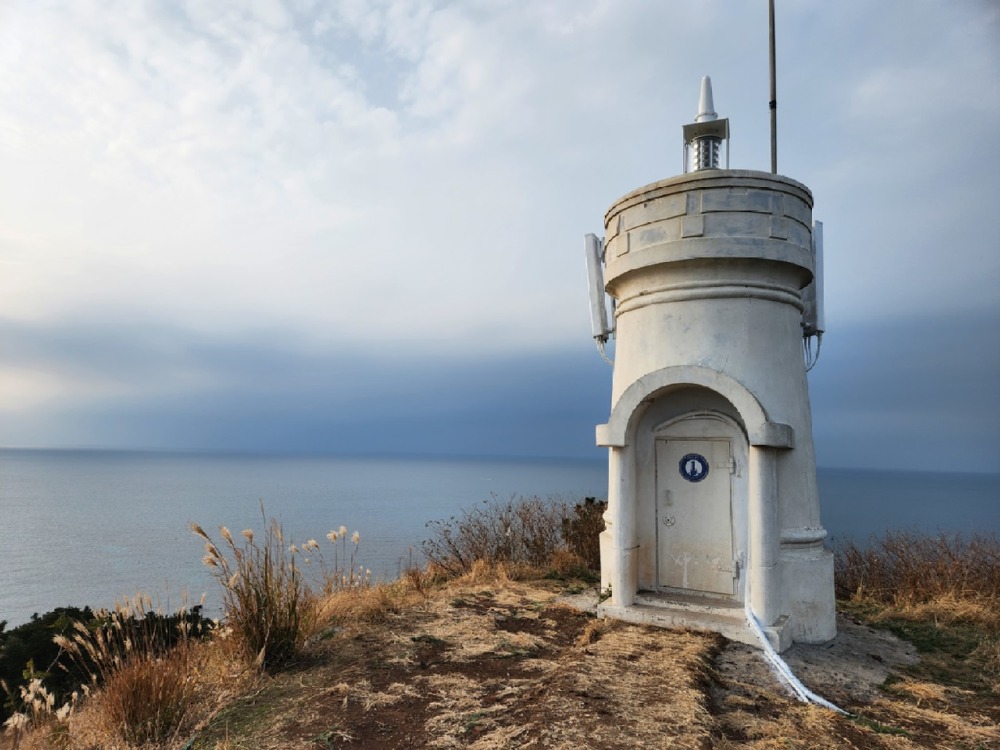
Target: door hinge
x=734 y=568
x=729 y=463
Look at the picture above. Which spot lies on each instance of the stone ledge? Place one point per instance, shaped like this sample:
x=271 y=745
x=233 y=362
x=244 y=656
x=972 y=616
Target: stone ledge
x=695 y=613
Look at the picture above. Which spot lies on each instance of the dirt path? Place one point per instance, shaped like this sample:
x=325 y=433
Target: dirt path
x=514 y=666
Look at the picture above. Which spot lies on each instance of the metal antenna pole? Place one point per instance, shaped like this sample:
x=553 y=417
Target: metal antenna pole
x=774 y=94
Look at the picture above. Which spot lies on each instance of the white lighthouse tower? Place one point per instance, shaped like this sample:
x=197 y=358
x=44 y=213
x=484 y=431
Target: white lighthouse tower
x=713 y=511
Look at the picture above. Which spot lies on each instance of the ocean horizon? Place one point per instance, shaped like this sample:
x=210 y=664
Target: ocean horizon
x=87 y=527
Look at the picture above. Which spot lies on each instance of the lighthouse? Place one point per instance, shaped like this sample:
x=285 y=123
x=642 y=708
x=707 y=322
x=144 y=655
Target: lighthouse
x=713 y=517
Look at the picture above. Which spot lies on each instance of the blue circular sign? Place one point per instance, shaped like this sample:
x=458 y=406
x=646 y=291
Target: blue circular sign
x=694 y=467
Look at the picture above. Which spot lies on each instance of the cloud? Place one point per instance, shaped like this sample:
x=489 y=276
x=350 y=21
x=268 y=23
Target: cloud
x=218 y=165
x=905 y=156
x=151 y=386
x=185 y=186
x=885 y=395
x=922 y=394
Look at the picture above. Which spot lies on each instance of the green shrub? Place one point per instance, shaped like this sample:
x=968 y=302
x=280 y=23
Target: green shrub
x=141 y=665
x=30 y=652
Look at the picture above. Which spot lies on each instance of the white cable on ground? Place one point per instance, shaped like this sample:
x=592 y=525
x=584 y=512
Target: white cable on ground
x=804 y=694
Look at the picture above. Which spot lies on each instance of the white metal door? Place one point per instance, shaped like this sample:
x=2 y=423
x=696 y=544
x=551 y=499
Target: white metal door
x=694 y=515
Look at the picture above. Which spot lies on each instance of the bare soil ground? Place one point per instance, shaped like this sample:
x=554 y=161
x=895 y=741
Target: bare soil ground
x=519 y=665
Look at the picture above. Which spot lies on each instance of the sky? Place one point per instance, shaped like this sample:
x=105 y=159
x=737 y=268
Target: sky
x=357 y=226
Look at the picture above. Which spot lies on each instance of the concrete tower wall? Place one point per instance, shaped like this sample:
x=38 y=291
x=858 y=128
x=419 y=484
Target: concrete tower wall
x=707 y=269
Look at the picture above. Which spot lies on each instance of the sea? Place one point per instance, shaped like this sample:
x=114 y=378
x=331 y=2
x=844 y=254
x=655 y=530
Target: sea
x=91 y=527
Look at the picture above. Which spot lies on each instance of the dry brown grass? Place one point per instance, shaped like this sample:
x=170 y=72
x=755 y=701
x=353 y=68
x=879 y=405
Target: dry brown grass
x=958 y=730
x=949 y=575
x=187 y=686
x=370 y=604
x=147 y=690
x=148 y=698
x=797 y=726
x=38 y=719
x=581 y=529
x=143 y=687
x=940 y=592
x=265 y=598
x=592 y=632
x=489 y=662
x=514 y=531
x=521 y=533
x=276 y=594
x=927 y=692
x=485 y=665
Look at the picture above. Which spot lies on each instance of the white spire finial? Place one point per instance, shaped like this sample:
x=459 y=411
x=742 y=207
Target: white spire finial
x=704 y=136
x=706 y=107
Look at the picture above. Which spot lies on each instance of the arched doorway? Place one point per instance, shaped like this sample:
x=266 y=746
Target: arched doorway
x=700 y=504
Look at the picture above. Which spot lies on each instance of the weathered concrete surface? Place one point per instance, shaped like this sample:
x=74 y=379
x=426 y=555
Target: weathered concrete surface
x=707 y=270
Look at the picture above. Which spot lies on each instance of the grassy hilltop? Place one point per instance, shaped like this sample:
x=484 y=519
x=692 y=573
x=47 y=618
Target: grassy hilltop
x=491 y=646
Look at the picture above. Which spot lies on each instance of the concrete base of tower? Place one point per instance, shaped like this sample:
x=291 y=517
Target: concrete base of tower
x=696 y=613
x=807 y=590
